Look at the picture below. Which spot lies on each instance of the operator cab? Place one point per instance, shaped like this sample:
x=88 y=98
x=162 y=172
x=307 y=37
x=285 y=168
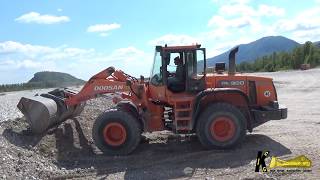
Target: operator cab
x=179 y=68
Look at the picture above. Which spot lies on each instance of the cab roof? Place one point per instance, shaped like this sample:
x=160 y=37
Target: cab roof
x=178 y=48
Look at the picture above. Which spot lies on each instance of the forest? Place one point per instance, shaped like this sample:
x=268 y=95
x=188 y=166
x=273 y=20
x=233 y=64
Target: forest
x=27 y=86
x=308 y=53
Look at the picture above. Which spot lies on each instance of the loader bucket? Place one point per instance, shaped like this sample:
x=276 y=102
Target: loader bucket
x=44 y=111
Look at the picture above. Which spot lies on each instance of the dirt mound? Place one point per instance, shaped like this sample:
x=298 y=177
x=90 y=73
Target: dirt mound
x=46 y=155
x=68 y=152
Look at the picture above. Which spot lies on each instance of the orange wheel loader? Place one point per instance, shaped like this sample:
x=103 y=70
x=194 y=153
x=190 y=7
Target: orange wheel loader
x=180 y=96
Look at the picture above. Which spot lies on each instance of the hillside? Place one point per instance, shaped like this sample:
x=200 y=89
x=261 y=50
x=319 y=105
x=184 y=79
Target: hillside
x=57 y=78
x=256 y=49
x=44 y=79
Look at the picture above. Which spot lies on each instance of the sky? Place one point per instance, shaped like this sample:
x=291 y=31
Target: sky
x=84 y=37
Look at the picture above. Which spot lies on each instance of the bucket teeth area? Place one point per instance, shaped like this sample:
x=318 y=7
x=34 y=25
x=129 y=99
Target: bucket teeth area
x=40 y=112
x=47 y=110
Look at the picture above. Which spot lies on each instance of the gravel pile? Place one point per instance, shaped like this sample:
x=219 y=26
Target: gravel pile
x=24 y=155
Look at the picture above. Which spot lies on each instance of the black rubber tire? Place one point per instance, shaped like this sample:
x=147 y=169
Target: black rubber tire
x=209 y=115
x=130 y=110
x=131 y=126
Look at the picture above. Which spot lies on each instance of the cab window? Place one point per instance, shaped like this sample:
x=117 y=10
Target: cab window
x=156 y=75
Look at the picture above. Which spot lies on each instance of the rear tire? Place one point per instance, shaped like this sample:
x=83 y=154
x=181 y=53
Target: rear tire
x=116 y=132
x=221 y=126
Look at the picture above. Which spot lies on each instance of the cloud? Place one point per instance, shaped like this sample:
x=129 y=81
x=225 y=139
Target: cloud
x=231 y=23
x=26 y=59
x=243 y=9
x=130 y=59
x=30 y=64
x=34 y=17
x=104 y=34
x=235 y=22
x=265 y=10
x=103 y=29
x=306 y=35
x=236 y=10
x=214 y=34
x=172 y=39
x=69 y=54
x=239 y=16
x=232 y=1
x=126 y=53
x=14 y=49
x=236 y=15
x=236 y=19
x=304 y=26
x=305 y=20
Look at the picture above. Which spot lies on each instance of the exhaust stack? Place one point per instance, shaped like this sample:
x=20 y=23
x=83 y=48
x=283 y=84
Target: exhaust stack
x=232 y=61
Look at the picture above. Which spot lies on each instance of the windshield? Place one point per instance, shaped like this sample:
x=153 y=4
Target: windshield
x=156 y=75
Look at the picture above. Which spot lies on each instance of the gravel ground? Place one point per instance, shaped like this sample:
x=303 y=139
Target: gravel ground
x=9 y=101
x=68 y=151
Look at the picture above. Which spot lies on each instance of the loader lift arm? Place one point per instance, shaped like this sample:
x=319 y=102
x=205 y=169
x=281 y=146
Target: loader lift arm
x=54 y=107
x=106 y=81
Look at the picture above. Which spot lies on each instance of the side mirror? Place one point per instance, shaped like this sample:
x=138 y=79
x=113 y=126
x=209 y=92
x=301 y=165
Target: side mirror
x=141 y=78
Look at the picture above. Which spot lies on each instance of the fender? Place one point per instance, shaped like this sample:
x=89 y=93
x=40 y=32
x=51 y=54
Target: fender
x=212 y=92
x=132 y=109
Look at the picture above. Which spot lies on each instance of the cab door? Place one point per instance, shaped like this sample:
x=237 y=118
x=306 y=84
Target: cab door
x=195 y=72
x=156 y=83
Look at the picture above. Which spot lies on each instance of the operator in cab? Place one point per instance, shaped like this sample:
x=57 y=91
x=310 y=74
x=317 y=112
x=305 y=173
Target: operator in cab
x=177 y=79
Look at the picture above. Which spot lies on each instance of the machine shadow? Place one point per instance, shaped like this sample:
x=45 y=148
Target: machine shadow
x=17 y=133
x=156 y=160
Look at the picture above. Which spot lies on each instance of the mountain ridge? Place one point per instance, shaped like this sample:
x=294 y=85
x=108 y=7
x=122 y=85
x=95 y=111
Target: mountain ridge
x=255 y=49
x=55 y=78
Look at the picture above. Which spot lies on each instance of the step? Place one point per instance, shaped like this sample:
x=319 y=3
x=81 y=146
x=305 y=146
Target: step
x=183 y=128
x=183 y=109
x=183 y=118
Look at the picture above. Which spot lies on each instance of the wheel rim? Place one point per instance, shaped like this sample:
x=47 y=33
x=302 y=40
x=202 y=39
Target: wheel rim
x=222 y=128
x=114 y=134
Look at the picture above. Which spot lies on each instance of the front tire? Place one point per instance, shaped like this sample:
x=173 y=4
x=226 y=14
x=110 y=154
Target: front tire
x=221 y=126
x=116 y=132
